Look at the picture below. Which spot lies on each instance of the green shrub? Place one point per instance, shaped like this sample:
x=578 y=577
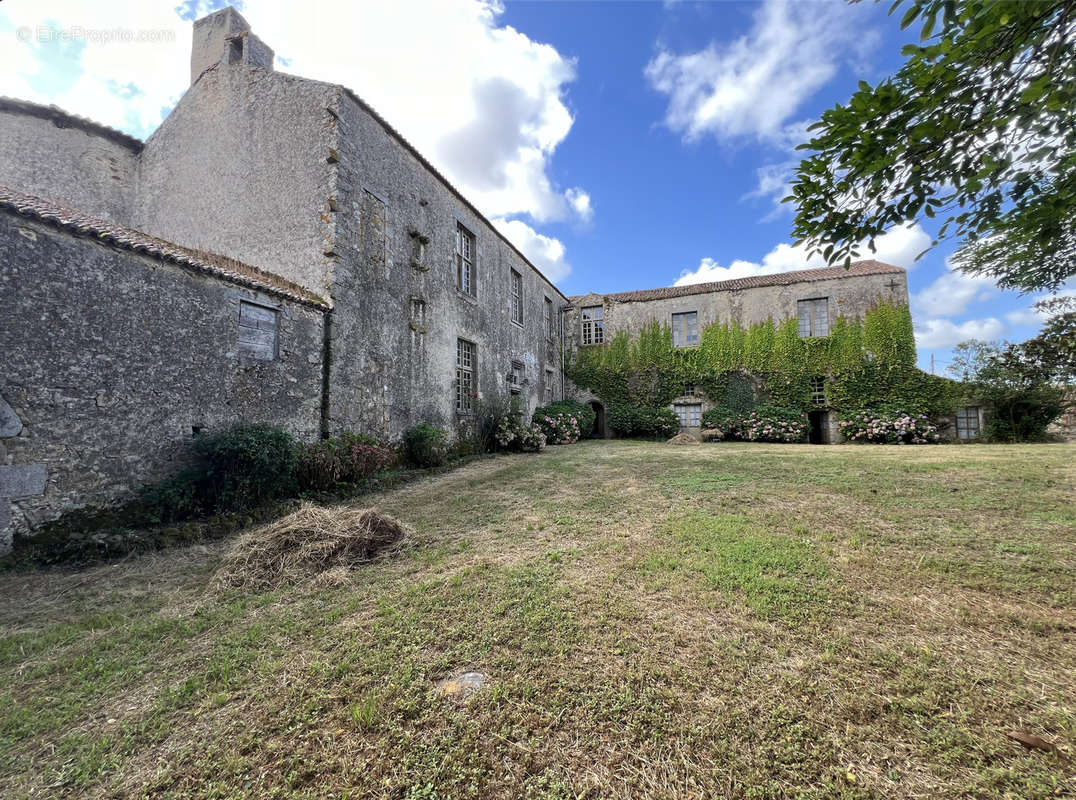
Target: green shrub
x=764 y=424
x=643 y=421
x=426 y=445
x=177 y=498
x=245 y=466
x=349 y=458
x=1022 y=414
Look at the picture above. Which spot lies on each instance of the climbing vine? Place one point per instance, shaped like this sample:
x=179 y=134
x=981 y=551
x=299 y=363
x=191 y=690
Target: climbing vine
x=864 y=362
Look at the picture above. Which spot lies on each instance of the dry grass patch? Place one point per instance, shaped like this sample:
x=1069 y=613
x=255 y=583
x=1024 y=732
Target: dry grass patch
x=727 y=620
x=312 y=543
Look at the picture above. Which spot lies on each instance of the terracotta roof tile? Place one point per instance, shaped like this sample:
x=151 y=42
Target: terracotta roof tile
x=780 y=279
x=64 y=218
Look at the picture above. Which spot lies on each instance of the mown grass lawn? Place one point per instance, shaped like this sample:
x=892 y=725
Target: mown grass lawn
x=656 y=621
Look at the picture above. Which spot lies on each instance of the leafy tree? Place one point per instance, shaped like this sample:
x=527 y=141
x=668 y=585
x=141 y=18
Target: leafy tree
x=975 y=129
x=1053 y=352
x=1020 y=397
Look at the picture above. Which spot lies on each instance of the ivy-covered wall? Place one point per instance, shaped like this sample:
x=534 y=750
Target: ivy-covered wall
x=865 y=363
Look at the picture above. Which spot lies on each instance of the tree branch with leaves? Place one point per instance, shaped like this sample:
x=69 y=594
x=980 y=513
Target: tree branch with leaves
x=976 y=129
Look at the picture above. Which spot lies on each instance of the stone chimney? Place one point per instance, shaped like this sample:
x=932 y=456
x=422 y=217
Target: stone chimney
x=225 y=37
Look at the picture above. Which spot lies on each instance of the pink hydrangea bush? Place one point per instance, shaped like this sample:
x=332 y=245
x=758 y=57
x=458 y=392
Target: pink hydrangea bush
x=513 y=434
x=764 y=424
x=559 y=428
x=889 y=426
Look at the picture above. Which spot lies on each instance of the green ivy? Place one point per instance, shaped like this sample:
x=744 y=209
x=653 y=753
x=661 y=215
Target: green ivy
x=865 y=362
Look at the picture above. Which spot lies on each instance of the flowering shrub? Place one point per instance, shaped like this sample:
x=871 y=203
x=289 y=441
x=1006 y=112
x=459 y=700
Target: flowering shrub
x=513 y=434
x=763 y=424
x=888 y=425
x=559 y=428
x=582 y=412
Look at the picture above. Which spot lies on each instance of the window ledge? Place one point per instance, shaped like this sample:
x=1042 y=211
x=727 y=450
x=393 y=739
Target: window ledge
x=470 y=298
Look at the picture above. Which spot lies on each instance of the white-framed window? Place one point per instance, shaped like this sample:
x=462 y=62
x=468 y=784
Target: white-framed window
x=593 y=325
x=685 y=328
x=818 y=391
x=466 y=280
x=547 y=318
x=689 y=414
x=967 y=423
x=517 y=297
x=689 y=390
x=813 y=316
x=466 y=366
x=258 y=327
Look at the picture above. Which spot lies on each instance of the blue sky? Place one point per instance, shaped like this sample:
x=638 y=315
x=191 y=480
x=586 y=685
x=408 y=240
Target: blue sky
x=621 y=145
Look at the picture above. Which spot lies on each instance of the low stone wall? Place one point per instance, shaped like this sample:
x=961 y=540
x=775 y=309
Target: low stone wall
x=112 y=361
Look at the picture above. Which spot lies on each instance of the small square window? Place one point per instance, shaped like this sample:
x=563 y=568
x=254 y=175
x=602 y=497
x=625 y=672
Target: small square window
x=689 y=390
x=593 y=325
x=515 y=377
x=258 y=326
x=818 y=391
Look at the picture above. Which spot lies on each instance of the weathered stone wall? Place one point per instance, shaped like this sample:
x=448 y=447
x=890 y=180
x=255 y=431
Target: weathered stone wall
x=241 y=167
x=112 y=360
x=849 y=296
x=393 y=367
x=48 y=153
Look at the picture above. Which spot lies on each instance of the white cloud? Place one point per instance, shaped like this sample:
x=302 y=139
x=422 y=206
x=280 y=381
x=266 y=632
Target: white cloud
x=580 y=203
x=951 y=293
x=751 y=86
x=897 y=246
x=545 y=252
x=76 y=55
x=483 y=101
x=934 y=334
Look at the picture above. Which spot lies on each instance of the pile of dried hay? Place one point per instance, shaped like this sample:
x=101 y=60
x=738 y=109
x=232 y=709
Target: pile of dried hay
x=683 y=438
x=313 y=543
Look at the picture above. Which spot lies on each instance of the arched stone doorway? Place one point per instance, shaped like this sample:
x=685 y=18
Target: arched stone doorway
x=598 y=431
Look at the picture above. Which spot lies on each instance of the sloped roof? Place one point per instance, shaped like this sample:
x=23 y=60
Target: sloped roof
x=64 y=119
x=67 y=219
x=857 y=268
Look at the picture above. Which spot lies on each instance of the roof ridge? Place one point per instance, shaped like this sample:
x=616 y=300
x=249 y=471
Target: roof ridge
x=230 y=269
x=856 y=268
x=56 y=114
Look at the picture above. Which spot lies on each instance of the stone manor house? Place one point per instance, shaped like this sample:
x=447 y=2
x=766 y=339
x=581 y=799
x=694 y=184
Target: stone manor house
x=275 y=251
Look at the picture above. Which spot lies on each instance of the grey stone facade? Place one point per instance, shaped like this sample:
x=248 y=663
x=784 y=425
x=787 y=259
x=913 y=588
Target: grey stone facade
x=112 y=361
x=49 y=153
